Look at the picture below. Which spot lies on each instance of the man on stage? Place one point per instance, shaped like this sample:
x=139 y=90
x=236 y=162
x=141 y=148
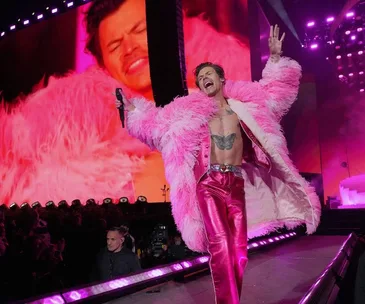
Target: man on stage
x=225 y=156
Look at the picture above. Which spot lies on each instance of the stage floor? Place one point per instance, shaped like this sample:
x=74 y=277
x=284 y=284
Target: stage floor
x=281 y=275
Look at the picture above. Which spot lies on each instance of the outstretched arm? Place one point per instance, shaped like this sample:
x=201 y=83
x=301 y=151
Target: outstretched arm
x=280 y=77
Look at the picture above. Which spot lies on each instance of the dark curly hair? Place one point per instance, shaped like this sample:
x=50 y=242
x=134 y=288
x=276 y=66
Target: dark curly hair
x=203 y=65
x=98 y=11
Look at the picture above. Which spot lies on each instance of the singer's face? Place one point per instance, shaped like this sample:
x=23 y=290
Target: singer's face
x=123 y=42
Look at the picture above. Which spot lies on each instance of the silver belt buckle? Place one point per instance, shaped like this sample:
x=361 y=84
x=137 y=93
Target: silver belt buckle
x=223 y=168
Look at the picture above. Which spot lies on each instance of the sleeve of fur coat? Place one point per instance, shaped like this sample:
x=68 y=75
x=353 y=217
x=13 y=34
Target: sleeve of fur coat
x=142 y=122
x=280 y=80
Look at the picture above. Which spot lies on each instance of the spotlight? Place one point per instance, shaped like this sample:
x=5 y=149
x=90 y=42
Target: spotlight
x=330 y=19
x=314 y=46
x=338 y=57
x=36 y=205
x=124 y=200
x=350 y=14
x=76 y=203
x=348 y=32
x=349 y=55
x=40 y=16
x=340 y=76
x=24 y=205
x=361 y=90
x=50 y=205
x=13 y=206
x=359 y=29
x=310 y=24
x=107 y=201
x=351 y=74
x=54 y=11
x=353 y=37
x=90 y=202
x=360 y=52
x=361 y=72
x=62 y=204
x=26 y=22
x=141 y=199
x=70 y=4
x=2 y=34
x=12 y=27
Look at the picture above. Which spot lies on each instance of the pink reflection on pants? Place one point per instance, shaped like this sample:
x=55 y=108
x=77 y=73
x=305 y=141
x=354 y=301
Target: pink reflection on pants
x=222 y=205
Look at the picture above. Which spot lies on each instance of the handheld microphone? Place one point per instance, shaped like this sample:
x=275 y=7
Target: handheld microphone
x=119 y=95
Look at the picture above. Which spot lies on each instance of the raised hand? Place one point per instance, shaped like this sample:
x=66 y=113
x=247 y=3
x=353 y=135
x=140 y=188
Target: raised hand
x=275 y=44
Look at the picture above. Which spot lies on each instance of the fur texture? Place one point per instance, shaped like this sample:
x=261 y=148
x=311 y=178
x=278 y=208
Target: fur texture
x=66 y=142
x=178 y=131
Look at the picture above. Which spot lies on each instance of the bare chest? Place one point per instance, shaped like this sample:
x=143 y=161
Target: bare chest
x=226 y=122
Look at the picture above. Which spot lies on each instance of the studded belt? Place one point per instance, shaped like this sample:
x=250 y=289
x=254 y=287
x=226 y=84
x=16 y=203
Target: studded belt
x=237 y=170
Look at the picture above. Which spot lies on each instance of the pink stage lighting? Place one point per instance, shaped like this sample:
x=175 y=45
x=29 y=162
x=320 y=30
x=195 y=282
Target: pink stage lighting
x=26 y=22
x=351 y=74
x=349 y=55
x=12 y=27
x=360 y=52
x=70 y=4
x=361 y=73
x=314 y=46
x=338 y=57
x=54 y=11
x=2 y=34
x=350 y=14
x=348 y=32
x=40 y=16
x=310 y=24
x=359 y=29
x=353 y=37
x=340 y=76
x=330 y=19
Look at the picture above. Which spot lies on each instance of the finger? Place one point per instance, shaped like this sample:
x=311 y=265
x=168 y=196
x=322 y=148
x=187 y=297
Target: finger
x=271 y=31
x=282 y=37
x=277 y=30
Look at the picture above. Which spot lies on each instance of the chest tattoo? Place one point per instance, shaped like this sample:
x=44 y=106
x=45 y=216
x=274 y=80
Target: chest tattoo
x=224 y=142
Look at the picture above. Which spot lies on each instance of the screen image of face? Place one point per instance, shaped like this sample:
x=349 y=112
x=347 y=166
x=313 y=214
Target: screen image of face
x=62 y=138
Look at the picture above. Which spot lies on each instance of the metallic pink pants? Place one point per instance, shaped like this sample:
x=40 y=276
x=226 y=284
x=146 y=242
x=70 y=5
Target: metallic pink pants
x=222 y=205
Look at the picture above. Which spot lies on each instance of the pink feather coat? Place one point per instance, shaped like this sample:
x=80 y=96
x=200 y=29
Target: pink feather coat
x=276 y=198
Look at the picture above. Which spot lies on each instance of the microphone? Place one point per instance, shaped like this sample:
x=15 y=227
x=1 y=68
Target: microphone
x=119 y=95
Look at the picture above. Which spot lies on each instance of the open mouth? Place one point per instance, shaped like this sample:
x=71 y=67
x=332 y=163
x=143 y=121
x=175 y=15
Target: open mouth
x=208 y=83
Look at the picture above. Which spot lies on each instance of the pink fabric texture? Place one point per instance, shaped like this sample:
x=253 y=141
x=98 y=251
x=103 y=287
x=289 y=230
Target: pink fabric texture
x=222 y=206
x=179 y=129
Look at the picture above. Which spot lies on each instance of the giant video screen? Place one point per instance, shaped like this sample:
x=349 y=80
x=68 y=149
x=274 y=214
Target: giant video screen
x=60 y=133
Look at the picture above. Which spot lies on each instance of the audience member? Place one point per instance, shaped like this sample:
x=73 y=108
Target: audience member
x=116 y=260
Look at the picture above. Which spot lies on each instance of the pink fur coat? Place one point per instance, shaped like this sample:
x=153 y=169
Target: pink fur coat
x=274 y=199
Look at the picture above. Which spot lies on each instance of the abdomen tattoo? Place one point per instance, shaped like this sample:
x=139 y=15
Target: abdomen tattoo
x=224 y=142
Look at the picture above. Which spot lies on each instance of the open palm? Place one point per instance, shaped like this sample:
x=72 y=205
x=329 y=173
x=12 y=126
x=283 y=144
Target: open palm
x=275 y=44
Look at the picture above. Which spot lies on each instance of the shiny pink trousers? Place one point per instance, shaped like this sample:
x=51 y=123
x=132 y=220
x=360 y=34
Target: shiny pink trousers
x=222 y=205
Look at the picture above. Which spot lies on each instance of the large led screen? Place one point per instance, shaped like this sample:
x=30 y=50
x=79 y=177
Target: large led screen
x=60 y=133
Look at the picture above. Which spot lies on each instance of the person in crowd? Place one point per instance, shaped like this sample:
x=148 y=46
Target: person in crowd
x=115 y=260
